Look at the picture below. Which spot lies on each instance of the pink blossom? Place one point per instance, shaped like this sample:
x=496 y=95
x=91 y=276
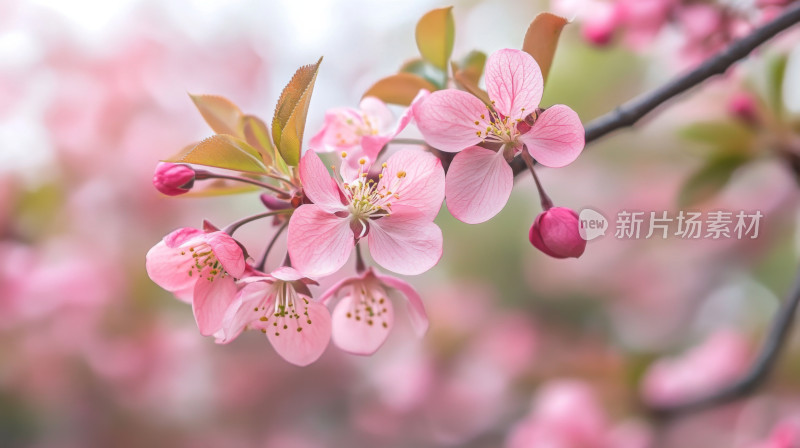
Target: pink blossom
x=786 y=434
x=364 y=316
x=363 y=132
x=395 y=214
x=173 y=179
x=643 y=20
x=744 y=106
x=556 y=232
x=720 y=359
x=280 y=305
x=199 y=268
x=567 y=414
x=479 y=180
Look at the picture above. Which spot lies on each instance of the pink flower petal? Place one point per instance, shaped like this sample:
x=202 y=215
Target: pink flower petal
x=406 y=242
x=211 y=301
x=378 y=113
x=287 y=274
x=447 y=119
x=331 y=292
x=339 y=131
x=514 y=83
x=356 y=331
x=556 y=138
x=241 y=312
x=228 y=252
x=372 y=144
x=419 y=318
x=169 y=269
x=180 y=236
x=301 y=341
x=478 y=185
x=319 y=242
x=318 y=184
x=421 y=181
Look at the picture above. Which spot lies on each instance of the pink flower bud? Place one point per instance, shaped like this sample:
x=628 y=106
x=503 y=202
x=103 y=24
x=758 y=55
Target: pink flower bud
x=173 y=179
x=743 y=106
x=273 y=203
x=556 y=232
x=600 y=27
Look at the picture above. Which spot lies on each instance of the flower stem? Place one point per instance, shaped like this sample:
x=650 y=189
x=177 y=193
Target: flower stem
x=407 y=141
x=360 y=266
x=232 y=227
x=203 y=174
x=263 y=261
x=547 y=204
x=280 y=179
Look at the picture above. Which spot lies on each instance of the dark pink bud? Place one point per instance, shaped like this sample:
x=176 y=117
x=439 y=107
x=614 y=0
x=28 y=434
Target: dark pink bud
x=173 y=179
x=598 y=34
x=743 y=106
x=556 y=232
x=273 y=203
x=600 y=29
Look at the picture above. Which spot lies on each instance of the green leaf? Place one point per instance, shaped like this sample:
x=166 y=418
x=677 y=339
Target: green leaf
x=710 y=179
x=221 y=114
x=256 y=133
x=725 y=136
x=427 y=71
x=218 y=187
x=472 y=65
x=223 y=151
x=541 y=39
x=290 y=113
x=776 y=71
x=467 y=82
x=790 y=90
x=435 y=36
x=399 y=89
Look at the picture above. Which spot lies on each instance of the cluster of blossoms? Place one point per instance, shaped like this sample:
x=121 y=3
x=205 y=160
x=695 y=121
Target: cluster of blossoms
x=390 y=206
x=705 y=27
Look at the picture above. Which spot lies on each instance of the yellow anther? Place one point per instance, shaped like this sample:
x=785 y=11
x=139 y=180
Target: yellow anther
x=344 y=154
x=401 y=174
x=362 y=161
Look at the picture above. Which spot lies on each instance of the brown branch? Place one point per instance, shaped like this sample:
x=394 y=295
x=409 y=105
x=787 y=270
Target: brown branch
x=631 y=112
x=759 y=371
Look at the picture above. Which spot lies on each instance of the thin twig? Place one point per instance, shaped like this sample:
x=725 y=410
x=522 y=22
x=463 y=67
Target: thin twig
x=759 y=371
x=232 y=227
x=203 y=175
x=407 y=141
x=263 y=260
x=631 y=112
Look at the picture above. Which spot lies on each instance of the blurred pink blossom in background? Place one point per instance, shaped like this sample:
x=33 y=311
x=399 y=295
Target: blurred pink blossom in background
x=521 y=349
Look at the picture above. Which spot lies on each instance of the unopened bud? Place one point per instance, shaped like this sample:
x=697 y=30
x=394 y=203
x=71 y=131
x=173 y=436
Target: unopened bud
x=743 y=106
x=556 y=232
x=273 y=203
x=173 y=179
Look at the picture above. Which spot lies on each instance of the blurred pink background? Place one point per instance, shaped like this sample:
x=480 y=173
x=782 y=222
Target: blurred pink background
x=523 y=350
